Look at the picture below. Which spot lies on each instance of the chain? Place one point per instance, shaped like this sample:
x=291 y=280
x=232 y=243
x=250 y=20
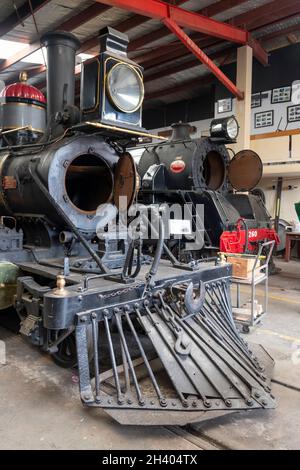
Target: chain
x=119 y=292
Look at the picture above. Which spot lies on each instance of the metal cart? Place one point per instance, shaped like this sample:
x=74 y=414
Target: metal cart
x=259 y=274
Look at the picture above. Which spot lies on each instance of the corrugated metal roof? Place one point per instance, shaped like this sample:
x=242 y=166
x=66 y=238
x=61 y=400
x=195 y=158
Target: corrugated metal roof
x=108 y=18
x=47 y=18
x=7 y=7
x=277 y=27
x=244 y=7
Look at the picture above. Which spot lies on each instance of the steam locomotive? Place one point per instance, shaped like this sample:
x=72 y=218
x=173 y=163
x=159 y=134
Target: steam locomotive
x=200 y=171
x=152 y=337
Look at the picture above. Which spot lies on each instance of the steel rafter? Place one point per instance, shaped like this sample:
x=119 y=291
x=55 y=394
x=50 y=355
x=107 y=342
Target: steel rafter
x=211 y=10
x=172 y=17
x=191 y=20
x=192 y=46
x=252 y=20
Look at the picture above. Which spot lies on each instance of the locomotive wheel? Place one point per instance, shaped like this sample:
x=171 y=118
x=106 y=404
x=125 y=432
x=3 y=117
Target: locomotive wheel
x=66 y=355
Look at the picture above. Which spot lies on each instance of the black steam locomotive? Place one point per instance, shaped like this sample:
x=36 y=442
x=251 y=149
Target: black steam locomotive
x=200 y=171
x=152 y=337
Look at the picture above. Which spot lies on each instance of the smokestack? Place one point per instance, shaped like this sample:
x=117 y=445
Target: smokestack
x=61 y=49
x=181 y=131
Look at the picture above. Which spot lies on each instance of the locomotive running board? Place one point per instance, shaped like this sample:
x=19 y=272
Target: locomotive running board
x=168 y=363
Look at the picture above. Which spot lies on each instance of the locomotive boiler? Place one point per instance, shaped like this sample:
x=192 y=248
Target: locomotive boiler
x=200 y=171
x=152 y=337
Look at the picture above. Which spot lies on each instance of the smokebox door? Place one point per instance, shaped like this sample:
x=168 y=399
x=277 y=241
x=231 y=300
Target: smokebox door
x=245 y=170
x=125 y=180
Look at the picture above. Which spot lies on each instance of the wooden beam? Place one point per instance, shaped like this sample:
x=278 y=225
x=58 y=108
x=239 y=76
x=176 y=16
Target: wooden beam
x=270 y=135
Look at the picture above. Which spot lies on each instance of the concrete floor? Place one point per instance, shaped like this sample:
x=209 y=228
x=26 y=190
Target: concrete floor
x=40 y=407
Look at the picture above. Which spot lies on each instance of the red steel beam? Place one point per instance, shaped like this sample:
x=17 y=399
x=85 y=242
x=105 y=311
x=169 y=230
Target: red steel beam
x=195 y=82
x=161 y=10
x=191 y=20
x=172 y=51
x=184 y=38
x=258 y=17
x=211 y=10
x=123 y=26
x=172 y=69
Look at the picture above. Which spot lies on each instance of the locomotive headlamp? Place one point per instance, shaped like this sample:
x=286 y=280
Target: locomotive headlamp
x=125 y=87
x=224 y=129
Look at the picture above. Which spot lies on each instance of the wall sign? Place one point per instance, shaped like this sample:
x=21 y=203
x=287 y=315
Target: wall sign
x=225 y=106
x=264 y=119
x=293 y=113
x=256 y=100
x=281 y=95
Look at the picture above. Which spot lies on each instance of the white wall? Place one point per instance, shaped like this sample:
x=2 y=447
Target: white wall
x=279 y=110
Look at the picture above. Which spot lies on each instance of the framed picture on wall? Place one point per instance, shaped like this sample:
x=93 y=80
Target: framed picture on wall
x=224 y=106
x=264 y=119
x=281 y=95
x=293 y=113
x=256 y=100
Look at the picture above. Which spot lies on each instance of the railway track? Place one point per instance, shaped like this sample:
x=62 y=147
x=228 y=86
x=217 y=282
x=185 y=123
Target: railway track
x=193 y=436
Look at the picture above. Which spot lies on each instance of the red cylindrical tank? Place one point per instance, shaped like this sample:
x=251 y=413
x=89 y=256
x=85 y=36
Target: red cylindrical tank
x=22 y=112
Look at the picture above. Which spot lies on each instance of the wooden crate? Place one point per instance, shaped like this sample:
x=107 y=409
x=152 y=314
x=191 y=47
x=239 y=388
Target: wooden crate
x=242 y=266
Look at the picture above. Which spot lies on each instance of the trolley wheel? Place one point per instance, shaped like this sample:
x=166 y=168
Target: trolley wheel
x=246 y=329
x=66 y=355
